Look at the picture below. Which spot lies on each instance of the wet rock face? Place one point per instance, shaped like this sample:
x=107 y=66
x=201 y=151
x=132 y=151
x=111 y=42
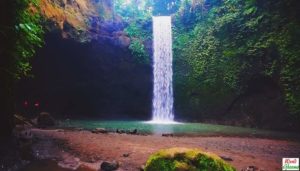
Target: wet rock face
x=113 y=32
x=88 y=51
x=85 y=20
x=262 y=100
x=122 y=39
x=93 y=79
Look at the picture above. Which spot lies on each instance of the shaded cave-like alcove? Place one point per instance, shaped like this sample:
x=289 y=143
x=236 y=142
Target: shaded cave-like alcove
x=94 y=80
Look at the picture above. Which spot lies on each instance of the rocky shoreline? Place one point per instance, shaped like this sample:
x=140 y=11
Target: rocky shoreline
x=82 y=150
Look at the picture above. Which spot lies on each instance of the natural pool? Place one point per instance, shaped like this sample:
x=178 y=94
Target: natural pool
x=195 y=129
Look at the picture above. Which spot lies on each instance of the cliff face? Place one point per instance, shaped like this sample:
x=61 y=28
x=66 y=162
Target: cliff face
x=85 y=20
x=85 y=68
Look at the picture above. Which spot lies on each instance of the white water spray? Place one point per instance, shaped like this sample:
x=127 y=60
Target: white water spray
x=162 y=102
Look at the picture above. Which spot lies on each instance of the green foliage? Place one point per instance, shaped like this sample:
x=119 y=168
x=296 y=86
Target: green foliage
x=138 y=50
x=186 y=160
x=139 y=31
x=138 y=15
x=133 y=10
x=236 y=40
x=29 y=35
x=136 y=9
x=20 y=34
x=165 y=7
x=220 y=46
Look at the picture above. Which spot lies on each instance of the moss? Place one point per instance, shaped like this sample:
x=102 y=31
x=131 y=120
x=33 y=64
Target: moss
x=183 y=159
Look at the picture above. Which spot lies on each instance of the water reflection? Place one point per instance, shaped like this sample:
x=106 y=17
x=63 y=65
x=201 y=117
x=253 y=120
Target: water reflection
x=162 y=128
x=175 y=128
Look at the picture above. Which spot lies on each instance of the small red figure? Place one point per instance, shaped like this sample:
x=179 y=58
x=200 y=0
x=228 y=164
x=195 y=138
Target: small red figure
x=36 y=104
x=25 y=103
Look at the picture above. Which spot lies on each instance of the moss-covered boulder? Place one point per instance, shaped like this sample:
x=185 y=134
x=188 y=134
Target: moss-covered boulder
x=183 y=159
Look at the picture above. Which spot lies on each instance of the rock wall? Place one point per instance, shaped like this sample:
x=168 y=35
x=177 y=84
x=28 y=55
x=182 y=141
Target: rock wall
x=94 y=79
x=85 y=68
x=84 y=20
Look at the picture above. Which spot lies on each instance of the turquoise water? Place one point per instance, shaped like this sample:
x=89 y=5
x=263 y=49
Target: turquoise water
x=179 y=129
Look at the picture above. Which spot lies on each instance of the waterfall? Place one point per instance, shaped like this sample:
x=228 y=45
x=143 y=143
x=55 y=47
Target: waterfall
x=162 y=102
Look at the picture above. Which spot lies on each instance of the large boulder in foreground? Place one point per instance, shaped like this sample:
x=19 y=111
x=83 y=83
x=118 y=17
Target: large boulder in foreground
x=44 y=120
x=183 y=159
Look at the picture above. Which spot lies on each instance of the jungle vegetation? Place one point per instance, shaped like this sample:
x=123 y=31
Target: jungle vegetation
x=221 y=47
x=230 y=43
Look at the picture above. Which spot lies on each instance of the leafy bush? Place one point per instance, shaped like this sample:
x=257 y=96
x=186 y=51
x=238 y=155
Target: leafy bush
x=133 y=10
x=139 y=32
x=138 y=51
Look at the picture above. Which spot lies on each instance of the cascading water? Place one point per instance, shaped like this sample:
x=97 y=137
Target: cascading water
x=162 y=102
